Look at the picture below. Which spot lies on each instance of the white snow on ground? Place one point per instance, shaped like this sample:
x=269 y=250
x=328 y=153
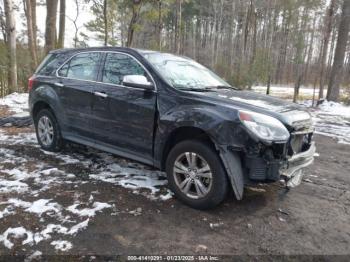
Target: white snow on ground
x=287 y=90
x=34 y=256
x=281 y=91
x=17 y=232
x=332 y=119
x=78 y=227
x=62 y=245
x=17 y=102
x=88 y=212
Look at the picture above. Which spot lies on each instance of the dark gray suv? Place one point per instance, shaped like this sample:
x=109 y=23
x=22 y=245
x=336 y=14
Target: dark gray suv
x=173 y=114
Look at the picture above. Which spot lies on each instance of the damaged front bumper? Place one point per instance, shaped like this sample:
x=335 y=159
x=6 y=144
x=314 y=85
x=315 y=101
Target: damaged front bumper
x=264 y=167
x=293 y=173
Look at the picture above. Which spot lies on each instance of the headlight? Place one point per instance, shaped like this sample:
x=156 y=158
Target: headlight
x=266 y=128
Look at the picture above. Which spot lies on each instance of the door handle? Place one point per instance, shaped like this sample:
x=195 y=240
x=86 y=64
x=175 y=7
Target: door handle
x=100 y=94
x=59 y=84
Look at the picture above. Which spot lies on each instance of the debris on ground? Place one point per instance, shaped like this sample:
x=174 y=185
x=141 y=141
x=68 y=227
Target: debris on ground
x=201 y=248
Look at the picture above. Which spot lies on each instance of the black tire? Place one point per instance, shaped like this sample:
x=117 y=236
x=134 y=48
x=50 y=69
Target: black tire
x=220 y=184
x=57 y=141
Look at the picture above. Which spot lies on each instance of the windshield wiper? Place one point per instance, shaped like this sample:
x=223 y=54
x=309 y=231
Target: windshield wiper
x=195 y=89
x=222 y=87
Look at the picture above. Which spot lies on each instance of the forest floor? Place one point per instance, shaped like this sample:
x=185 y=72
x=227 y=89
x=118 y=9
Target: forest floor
x=86 y=202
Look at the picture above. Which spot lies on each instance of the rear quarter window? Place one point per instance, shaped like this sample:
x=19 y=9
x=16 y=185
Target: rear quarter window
x=51 y=63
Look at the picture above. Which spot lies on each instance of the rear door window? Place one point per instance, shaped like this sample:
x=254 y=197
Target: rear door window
x=119 y=65
x=82 y=67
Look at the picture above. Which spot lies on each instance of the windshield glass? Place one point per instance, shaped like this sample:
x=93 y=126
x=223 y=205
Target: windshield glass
x=184 y=73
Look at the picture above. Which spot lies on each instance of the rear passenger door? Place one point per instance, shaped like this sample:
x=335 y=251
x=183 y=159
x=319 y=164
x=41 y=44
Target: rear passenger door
x=77 y=79
x=124 y=116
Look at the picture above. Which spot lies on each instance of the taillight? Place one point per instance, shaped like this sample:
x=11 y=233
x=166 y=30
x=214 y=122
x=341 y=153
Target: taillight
x=31 y=83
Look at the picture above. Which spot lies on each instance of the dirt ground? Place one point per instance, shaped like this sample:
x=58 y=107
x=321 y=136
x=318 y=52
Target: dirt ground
x=313 y=218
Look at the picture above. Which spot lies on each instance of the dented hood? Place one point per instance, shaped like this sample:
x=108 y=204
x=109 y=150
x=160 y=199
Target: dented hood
x=291 y=114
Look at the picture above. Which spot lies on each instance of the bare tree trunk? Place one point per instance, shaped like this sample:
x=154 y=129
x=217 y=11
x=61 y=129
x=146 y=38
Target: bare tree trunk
x=178 y=26
x=30 y=31
x=327 y=32
x=231 y=36
x=331 y=51
x=299 y=58
x=310 y=51
x=62 y=24
x=35 y=29
x=247 y=25
x=253 y=51
x=75 y=23
x=338 y=64
x=105 y=21
x=159 y=27
x=136 y=8
x=11 y=43
x=283 y=48
x=50 y=30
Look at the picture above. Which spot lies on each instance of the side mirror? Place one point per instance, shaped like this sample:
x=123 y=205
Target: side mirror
x=137 y=81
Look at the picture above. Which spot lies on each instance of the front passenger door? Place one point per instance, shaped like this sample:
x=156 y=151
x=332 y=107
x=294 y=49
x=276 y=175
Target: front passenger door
x=124 y=116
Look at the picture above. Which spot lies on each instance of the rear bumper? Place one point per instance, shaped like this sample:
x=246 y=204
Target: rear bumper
x=293 y=173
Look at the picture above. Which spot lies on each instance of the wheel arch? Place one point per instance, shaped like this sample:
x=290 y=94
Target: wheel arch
x=40 y=105
x=181 y=134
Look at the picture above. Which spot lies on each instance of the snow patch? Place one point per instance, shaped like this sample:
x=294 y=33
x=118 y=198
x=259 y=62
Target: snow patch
x=62 y=245
x=42 y=206
x=7 y=186
x=134 y=178
x=78 y=227
x=17 y=232
x=331 y=119
x=88 y=212
x=34 y=256
x=38 y=207
x=17 y=102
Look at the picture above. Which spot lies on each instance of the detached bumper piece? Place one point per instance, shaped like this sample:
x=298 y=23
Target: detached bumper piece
x=293 y=174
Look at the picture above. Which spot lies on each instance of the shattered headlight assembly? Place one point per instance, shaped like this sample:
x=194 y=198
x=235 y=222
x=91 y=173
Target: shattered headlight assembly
x=265 y=128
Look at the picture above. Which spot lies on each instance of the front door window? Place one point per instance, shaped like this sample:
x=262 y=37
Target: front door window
x=119 y=65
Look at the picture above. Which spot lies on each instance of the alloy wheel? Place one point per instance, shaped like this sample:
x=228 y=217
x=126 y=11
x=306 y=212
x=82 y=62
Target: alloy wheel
x=193 y=175
x=45 y=131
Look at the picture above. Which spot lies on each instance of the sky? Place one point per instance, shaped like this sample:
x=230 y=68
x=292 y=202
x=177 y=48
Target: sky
x=84 y=16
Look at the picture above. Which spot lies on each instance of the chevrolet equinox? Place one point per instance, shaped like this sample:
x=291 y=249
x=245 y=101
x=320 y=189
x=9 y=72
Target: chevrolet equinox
x=171 y=113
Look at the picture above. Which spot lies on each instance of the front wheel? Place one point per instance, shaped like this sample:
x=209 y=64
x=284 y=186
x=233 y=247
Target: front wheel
x=196 y=174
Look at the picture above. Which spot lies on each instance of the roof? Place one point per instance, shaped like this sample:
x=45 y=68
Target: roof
x=103 y=48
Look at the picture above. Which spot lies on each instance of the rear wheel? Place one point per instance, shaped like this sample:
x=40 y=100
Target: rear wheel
x=196 y=174
x=47 y=131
